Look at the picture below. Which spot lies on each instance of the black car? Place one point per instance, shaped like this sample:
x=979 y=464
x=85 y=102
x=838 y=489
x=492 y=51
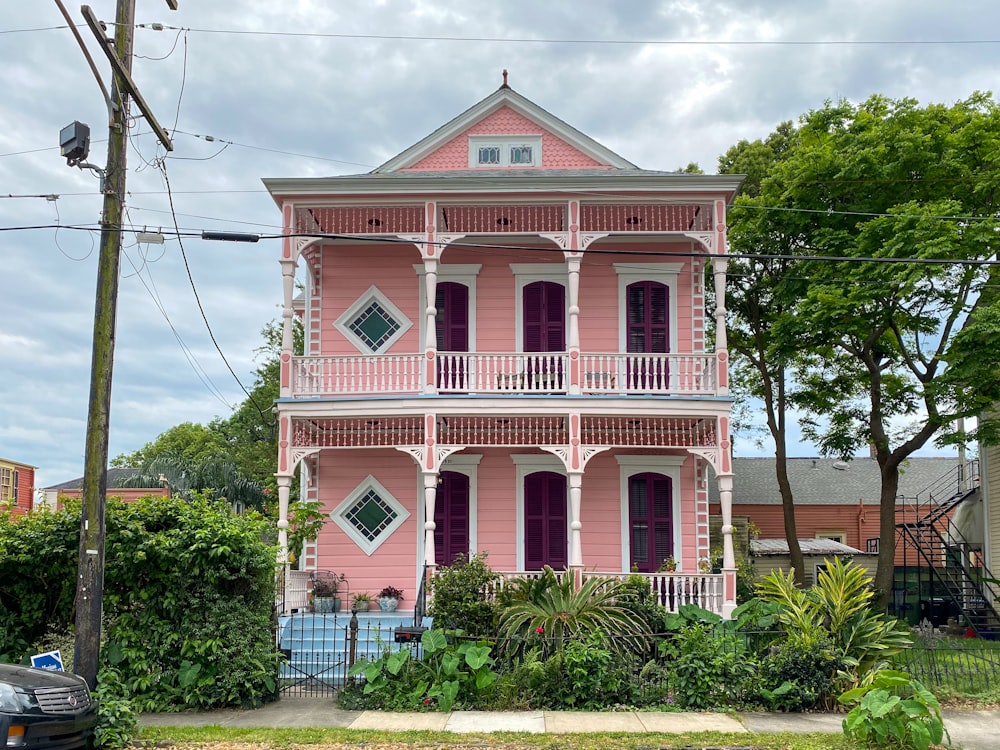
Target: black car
x=44 y=710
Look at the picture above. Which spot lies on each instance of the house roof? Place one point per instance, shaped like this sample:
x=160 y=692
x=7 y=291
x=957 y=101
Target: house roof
x=16 y=463
x=115 y=475
x=403 y=175
x=827 y=481
x=504 y=96
x=768 y=547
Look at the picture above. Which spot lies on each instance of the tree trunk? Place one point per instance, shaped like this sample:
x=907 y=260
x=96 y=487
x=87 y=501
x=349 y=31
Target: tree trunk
x=788 y=512
x=885 y=573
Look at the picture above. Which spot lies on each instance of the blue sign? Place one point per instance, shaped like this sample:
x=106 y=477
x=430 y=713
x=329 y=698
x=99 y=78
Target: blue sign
x=49 y=660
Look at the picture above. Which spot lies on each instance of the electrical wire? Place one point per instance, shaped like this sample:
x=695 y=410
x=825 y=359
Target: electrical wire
x=197 y=297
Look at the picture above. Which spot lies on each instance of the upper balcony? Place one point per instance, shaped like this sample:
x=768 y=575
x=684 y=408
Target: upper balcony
x=508 y=374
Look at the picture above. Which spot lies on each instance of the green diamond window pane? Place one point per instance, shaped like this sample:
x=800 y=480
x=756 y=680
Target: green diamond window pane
x=374 y=326
x=371 y=515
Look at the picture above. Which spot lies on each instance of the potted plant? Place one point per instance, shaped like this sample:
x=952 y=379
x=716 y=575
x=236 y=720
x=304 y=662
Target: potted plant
x=388 y=598
x=324 y=593
x=361 y=601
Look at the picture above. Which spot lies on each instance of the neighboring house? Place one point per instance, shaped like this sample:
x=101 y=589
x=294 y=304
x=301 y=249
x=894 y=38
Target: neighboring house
x=74 y=488
x=772 y=554
x=990 y=459
x=834 y=499
x=17 y=486
x=506 y=351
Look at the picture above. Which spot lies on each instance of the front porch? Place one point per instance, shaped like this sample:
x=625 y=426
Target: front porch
x=669 y=590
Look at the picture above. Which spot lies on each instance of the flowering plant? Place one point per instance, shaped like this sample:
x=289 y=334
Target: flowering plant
x=390 y=592
x=669 y=565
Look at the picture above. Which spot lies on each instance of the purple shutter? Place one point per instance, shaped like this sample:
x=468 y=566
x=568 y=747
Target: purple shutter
x=452 y=320
x=544 y=317
x=451 y=518
x=650 y=521
x=646 y=305
x=545 y=539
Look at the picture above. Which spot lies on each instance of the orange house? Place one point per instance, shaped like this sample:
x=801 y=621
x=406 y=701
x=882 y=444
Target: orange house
x=506 y=352
x=17 y=486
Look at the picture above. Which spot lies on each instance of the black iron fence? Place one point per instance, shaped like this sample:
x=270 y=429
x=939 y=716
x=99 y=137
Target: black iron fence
x=966 y=666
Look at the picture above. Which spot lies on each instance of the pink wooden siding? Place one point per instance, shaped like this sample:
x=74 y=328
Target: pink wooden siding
x=556 y=153
x=347 y=274
x=395 y=561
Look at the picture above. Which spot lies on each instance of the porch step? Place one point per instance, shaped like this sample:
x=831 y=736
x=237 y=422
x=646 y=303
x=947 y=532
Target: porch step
x=317 y=648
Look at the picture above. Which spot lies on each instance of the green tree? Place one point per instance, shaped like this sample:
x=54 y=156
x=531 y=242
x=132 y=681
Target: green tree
x=759 y=294
x=898 y=205
x=188 y=440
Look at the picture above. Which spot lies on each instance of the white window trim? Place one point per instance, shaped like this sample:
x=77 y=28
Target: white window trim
x=836 y=535
x=525 y=464
x=529 y=273
x=668 y=466
x=505 y=143
x=630 y=273
x=372 y=294
x=366 y=546
x=460 y=273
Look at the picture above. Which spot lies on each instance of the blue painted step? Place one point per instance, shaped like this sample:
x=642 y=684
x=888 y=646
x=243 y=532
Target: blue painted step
x=316 y=645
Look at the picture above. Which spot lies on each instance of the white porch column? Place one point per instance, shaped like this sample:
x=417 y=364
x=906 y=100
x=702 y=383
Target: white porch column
x=430 y=497
x=728 y=554
x=284 y=487
x=719 y=263
x=430 y=326
x=573 y=310
x=575 y=546
x=287 y=316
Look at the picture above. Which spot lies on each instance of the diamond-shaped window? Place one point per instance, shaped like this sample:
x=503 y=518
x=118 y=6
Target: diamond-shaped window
x=373 y=323
x=369 y=515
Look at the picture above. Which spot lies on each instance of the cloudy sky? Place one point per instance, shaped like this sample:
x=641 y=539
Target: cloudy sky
x=323 y=87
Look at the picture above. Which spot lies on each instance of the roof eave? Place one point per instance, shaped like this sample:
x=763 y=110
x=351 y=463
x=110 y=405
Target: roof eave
x=355 y=185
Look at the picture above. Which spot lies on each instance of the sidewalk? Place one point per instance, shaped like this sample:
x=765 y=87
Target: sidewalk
x=972 y=730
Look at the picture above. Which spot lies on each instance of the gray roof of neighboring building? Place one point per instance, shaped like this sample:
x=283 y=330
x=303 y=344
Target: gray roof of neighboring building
x=115 y=475
x=827 y=481
x=765 y=547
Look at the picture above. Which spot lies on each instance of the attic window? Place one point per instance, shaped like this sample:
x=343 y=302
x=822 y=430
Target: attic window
x=490 y=151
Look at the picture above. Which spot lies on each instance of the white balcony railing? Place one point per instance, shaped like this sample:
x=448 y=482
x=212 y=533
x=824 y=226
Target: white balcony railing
x=670 y=590
x=504 y=373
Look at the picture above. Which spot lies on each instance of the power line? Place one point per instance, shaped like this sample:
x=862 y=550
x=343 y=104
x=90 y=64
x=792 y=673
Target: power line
x=609 y=42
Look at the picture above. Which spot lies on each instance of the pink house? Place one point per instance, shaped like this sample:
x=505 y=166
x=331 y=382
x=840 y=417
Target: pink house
x=506 y=352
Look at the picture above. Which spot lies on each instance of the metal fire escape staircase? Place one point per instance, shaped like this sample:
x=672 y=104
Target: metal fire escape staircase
x=955 y=568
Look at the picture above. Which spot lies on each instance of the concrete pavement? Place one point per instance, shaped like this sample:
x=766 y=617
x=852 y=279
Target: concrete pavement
x=971 y=730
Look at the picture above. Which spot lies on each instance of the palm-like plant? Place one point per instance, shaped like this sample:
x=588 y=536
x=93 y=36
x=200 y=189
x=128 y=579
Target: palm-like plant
x=560 y=611
x=839 y=605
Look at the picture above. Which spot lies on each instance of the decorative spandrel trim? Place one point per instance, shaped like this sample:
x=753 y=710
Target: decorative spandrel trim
x=560 y=238
x=711 y=455
x=589 y=451
x=298 y=454
x=706 y=239
x=416 y=452
x=560 y=452
x=587 y=238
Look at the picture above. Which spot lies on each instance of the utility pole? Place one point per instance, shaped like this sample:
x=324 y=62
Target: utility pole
x=90 y=581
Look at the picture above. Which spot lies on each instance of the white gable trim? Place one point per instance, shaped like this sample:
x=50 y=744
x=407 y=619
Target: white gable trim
x=504 y=97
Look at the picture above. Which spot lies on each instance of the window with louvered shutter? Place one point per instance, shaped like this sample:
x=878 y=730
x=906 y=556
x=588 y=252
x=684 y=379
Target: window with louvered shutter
x=452 y=319
x=647 y=324
x=650 y=521
x=545 y=537
x=451 y=517
x=544 y=315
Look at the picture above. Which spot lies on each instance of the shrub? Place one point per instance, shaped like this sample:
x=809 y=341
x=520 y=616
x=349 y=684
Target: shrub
x=449 y=671
x=561 y=611
x=838 y=608
x=798 y=673
x=707 y=668
x=461 y=597
x=893 y=711
x=117 y=719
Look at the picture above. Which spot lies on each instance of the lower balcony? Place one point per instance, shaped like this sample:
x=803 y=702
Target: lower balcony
x=479 y=373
